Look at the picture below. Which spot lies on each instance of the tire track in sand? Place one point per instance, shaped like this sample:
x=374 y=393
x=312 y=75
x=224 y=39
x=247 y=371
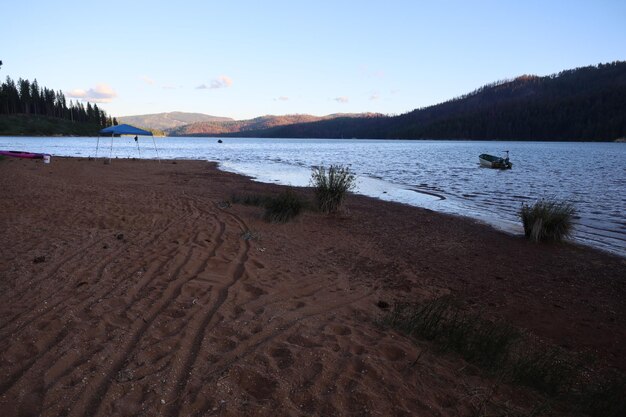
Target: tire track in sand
x=88 y=404
x=46 y=350
x=181 y=372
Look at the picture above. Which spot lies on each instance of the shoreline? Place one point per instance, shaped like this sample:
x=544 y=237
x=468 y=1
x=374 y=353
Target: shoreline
x=384 y=190
x=136 y=287
x=597 y=226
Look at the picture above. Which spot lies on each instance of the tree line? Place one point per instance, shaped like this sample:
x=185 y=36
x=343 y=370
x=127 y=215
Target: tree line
x=24 y=97
x=581 y=104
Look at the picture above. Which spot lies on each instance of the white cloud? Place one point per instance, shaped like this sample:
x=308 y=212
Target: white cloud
x=147 y=80
x=375 y=96
x=220 y=82
x=102 y=93
x=281 y=98
x=342 y=99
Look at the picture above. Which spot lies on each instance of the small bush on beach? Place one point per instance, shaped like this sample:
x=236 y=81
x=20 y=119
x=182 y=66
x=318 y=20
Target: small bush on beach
x=278 y=209
x=331 y=186
x=283 y=207
x=547 y=220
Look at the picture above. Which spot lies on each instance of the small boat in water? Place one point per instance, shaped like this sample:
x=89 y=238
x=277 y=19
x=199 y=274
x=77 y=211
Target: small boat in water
x=496 y=162
x=27 y=155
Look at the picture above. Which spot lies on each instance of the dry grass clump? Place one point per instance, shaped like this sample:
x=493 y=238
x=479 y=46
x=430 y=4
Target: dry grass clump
x=547 y=220
x=282 y=208
x=331 y=186
x=278 y=209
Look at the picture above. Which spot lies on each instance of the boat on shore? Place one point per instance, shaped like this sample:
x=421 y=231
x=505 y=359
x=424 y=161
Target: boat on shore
x=496 y=162
x=27 y=155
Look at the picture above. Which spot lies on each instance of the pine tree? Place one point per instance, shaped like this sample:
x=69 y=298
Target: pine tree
x=24 y=95
x=34 y=94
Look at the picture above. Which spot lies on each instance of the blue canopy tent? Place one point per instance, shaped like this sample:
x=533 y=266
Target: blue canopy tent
x=125 y=130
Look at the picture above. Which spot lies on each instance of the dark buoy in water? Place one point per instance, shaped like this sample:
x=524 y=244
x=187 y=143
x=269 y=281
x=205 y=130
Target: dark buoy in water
x=219 y=141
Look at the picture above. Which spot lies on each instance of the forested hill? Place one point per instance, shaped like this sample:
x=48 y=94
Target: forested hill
x=171 y=120
x=236 y=127
x=582 y=104
x=30 y=109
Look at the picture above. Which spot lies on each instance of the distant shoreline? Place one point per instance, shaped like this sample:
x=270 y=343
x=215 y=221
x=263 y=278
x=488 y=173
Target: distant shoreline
x=619 y=140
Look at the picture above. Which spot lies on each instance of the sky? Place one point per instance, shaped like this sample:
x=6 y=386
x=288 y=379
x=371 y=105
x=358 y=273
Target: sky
x=243 y=59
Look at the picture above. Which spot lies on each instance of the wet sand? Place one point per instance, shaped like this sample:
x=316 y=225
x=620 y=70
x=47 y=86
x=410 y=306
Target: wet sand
x=135 y=289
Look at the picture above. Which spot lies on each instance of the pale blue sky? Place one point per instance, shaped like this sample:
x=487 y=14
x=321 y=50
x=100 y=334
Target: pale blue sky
x=243 y=59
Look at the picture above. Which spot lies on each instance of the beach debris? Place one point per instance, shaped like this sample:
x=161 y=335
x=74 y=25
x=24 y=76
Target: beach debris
x=224 y=204
x=39 y=259
x=119 y=236
x=382 y=304
x=124 y=375
x=250 y=235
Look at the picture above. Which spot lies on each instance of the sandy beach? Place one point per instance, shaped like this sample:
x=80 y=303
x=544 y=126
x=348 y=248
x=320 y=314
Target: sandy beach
x=137 y=288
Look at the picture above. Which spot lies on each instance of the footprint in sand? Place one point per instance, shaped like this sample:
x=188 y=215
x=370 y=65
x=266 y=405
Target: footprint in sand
x=257 y=385
x=282 y=356
x=393 y=353
x=340 y=330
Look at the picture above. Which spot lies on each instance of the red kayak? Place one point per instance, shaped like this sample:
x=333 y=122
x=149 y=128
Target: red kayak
x=27 y=155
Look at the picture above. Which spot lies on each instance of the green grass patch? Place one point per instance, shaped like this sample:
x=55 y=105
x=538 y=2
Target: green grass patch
x=282 y=208
x=547 y=220
x=36 y=125
x=278 y=209
x=499 y=348
x=331 y=186
x=479 y=341
x=256 y=200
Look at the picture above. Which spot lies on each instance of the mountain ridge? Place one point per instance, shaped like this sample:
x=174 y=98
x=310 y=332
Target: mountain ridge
x=586 y=103
x=168 y=120
x=213 y=128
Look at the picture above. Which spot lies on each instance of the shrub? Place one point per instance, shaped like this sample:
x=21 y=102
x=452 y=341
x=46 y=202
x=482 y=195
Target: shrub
x=283 y=208
x=331 y=186
x=249 y=199
x=547 y=220
x=480 y=341
x=278 y=209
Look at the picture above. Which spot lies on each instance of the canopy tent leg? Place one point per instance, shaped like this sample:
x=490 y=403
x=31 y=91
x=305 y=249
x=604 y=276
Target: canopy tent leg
x=138 y=150
x=155 y=149
x=111 y=152
x=97 y=144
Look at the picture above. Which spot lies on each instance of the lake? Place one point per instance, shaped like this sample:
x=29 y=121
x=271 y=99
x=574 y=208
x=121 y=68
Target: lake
x=440 y=175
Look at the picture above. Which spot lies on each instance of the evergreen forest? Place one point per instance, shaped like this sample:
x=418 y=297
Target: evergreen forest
x=582 y=104
x=24 y=101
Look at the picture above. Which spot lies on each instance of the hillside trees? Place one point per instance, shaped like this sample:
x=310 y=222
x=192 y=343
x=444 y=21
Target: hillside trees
x=29 y=98
x=582 y=104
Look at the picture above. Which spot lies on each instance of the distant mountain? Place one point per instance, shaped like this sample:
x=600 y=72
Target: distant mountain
x=165 y=121
x=217 y=127
x=583 y=104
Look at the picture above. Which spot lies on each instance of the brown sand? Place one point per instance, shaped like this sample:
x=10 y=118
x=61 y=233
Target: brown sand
x=130 y=289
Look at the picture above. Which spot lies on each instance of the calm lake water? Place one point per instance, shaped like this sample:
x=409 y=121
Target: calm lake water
x=440 y=175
